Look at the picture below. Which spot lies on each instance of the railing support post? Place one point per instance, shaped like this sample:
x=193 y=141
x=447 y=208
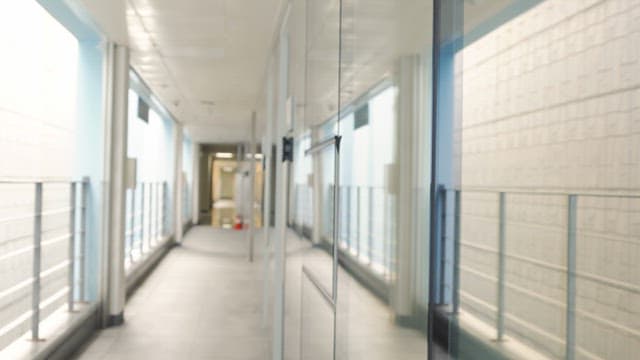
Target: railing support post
x=150 y=221
x=142 y=217
x=37 y=258
x=159 y=207
x=163 y=215
x=370 y=219
x=83 y=239
x=152 y=215
x=456 y=253
x=132 y=226
x=72 y=243
x=358 y=213
x=348 y=217
x=570 y=341
x=444 y=193
x=501 y=266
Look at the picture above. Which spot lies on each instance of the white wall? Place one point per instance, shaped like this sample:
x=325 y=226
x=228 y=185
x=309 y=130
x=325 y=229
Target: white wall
x=38 y=78
x=550 y=102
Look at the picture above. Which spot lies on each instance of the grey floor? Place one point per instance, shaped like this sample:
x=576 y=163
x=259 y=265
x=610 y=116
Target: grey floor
x=205 y=301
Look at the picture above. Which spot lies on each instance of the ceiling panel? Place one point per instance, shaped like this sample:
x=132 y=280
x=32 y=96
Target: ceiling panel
x=204 y=59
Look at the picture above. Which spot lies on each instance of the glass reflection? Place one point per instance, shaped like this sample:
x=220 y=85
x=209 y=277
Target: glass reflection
x=541 y=98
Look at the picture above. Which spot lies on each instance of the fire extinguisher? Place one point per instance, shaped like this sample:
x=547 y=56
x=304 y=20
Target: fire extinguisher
x=238 y=223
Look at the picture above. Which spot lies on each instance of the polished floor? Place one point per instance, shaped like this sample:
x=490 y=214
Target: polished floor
x=202 y=302
x=205 y=301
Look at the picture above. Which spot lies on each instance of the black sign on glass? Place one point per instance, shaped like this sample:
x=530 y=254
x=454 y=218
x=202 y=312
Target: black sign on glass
x=143 y=110
x=287 y=149
x=361 y=117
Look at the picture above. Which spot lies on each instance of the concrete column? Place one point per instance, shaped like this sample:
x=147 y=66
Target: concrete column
x=116 y=106
x=178 y=181
x=408 y=113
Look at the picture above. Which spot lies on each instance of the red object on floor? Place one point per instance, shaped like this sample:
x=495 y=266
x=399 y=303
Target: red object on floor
x=238 y=223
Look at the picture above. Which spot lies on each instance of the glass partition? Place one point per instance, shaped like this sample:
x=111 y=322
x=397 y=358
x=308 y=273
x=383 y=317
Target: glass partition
x=148 y=208
x=537 y=105
x=385 y=120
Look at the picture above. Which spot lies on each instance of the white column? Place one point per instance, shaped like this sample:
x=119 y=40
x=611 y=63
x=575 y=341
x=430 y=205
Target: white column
x=178 y=181
x=252 y=186
x=408 y=113
x=195 y=186
x=116 y=105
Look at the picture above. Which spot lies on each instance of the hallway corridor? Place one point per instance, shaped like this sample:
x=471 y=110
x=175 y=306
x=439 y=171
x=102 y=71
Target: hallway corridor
x=178 y=311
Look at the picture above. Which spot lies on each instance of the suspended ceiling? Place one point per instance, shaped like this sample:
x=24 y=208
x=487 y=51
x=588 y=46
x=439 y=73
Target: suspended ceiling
x=204 y=59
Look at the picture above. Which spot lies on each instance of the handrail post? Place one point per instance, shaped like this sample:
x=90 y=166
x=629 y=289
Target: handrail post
x=83 y=238
x=142 y=217
x=132 y=225
x=349 y=216
x=370 y=220
x=386 y=236
x=156 y=215
x=456 y=253
x=501 y=266
x=444 y=192
x=72 y=242
x=152 y=215
x=570 y=340
x=358 y=213
x=150 y=222
x=37 y=258
x=158 y=212
x=165 y=211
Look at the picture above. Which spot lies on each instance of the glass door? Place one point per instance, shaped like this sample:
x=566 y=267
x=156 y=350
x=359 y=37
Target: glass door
x=319 y=270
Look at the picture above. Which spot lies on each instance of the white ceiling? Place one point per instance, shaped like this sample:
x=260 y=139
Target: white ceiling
x=375 y=34
x=204 y=59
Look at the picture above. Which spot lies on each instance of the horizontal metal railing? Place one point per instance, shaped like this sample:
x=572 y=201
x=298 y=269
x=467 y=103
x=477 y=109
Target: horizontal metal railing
x=146 y=219
x=367 y=218
x=40 y=244
x=568 y=268
x=303 y=206
x=367 y=225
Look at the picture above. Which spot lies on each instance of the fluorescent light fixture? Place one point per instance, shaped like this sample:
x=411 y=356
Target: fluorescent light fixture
x=224 y=155
x=258 y=156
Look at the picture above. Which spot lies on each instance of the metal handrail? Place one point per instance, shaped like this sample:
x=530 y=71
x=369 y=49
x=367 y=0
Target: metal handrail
x=569 y=268
x=318 y=285
x=321 y=145
x=37 y=180
x=596 y=278
x=146 y=215
x=75 y=235
x=516 y=191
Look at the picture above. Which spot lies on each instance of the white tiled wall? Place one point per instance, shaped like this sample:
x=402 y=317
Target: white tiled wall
x=38 y=70
x=551 y=102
